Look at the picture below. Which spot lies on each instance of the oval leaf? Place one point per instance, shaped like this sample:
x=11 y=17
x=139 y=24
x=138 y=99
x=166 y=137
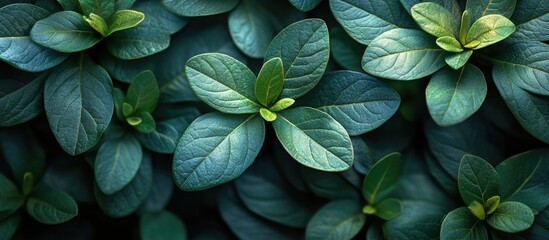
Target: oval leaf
x=314 y=139
x=270 y=82
x=105 y=9
x=340 y=219
x=305 y=5
x=382 y=179
x=9 y=225
x=304 y=48
x=511 y=217
x=434 y=19
x=143 y=92
x=50 y=206
x=216 y=148
x=165 y=136
x=161 y=225
x=403 y=54
x=10 y=198
x=461 y=224
x=328 y=185
x=222 y=82
x=195 y=8
x=21 y=101
x=346 y=51
x=125 y=19
x=531 y=18
x=23 y=152
x=477 y=180
x=458 y=60
x=489 y=29
x=486 y=7
x=388 y=209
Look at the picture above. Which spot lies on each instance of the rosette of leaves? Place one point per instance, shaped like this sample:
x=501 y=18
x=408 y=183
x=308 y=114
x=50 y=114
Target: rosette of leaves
x=316 y=137
x=26 y=159
x=507 y=198
x=446 y=46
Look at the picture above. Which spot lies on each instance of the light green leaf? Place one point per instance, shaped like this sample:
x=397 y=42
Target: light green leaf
x=531 y=18
x=10 y=198
x=454 y=95
x=305 y=5
x=305 y=50
x=16 y=46
x=65 y=31
x=492 y=203
x=267 y=115
x=127 y=110
x=161 y=225
x=143 y=92
x=477 y=180
x=461 y=224
x=270 y=82
x=403 y=54
x=360 y=103
x=388 y=209
x=21 y=101
x=98 y=23
x=195 y=8
x=282 y=104
x=103 y=8
x=477 y=9
x=216 y=148
x=511 y=217
x=51 y=206
x=222 y=82
x=477 y=209
x=458 y=60
x=340 y=219
x=489 y=29
x=434 y=19
x=22 y=150
x=314 y=139
x=382 y=179
x=125 y=19
x=116 y=163
x=9 y=225
x=449 y=44
x=464 y=27
x=147 y=124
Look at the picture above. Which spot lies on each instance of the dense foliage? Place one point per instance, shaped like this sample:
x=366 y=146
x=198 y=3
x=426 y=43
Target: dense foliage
x=257 y=119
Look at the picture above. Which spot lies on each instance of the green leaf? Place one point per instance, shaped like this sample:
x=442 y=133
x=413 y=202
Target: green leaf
x=328 y=185
x=216 y=148
x=434 y=19
x=165 y=136
x=305 y=50
x=492 y=204
x=147 y=124
x=481 y=8
x=16 y=46
x=162 y=189
x=125 y=19
x=123 y=4
x=305 y=5
x=168 y=19
x=382 y=179
x=346 y=51
x=161 y=225
x=143 y=92
x=314 y=139
x=103 y=8
x=388 y=209
x=98 y=23
x=79 y=103
x=132 y=196
x=23 y=152
x=267 y=115
x=127 y=110
x=523 y=179
x=489 y=29
x=461 y=224
x=72 y=176
x=454 y=95
x=51 y=206
x=251 y=27
x=477 y=209
x=530 y=18
x=464 y=27
x=222 y=82
x=365 y=20
x=449 y=44
x=511 y=217
x=195 y=8
x=119 y=96
x=385 y=55
x=270 y=82
x=406 y=227
x=65 y=31
x=477 y=180
x=21 y=101
x=282 y=104
x=70 y=5
x=28 y=183
x=458 y=60
x=10 y=198
x=117 y=163
x=9 y=225
x=360 y=103
x=340 y=219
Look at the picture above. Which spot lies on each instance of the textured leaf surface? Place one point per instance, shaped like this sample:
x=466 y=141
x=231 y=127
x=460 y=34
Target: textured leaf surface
x=346 y=51
x=489 y=29
x=532 y=20
x=143 y=92
x=161 y=225
x=270 y=82
x=481 y=8
x=50 y=206
x=511 y=217
x=21 y=101
x=434 y=19
x=461 y=224
x=165 y=136
x=195 y=8
x=103 y=8
x=251 y=27
x=382 y=179
x=340 y=219
x=477 y=180
x=406 y=226
x=305 y=5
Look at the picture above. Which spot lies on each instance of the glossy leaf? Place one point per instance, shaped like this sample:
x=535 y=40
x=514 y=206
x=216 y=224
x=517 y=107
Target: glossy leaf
x=161 y=225
x=458 y=60
x=50 y=206
x=388 y=209
x=65 y=31
x=270 y=82
x=103 y=8
x=143 y=92
x=305 y=5
x=16 y=46
x=216 y=148
x=125 y=19
x=360 y=103
x=222 y=82
x=195 y=8
x=165 y=136
x=305 y=50
x=340 y=219
x=477 y=180
x=314 y=139
x=382 y=179
x=434 y=19
x=22 y=151
x=531 y=18
x=454 y=95
x=385 y=55
x=511 y=217
x=461 y=224
x=489 y=29
x=21 y=101
x=79 y=104
x=522 y=178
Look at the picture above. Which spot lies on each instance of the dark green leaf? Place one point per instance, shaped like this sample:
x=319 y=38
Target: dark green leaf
x=22 y=151
x=305 y=5
x=10 y=198
x=103 y=8
x=72 y=176
x=304 y=48
x=165 y=136
x=461 y=224
x=346 y=51
x=155 y=9
x=65 y=31
x=511 y=217
x=454 y=95
x=9 y=225
x=450 y=5
x=119 y=96
x=388 y=209
x=147 y=124
x=143 y=92
x=251 y=27
x=70 y=5
x=217 y=148
x=51 y=206
x=365 y=20
x=382 y=179
x=314 y=139
x=16 y=46
x=458 y=60
x=477 y=9
x=403 y=54
x=270 y=82
x=531 y=18
x=123 y=4
x=161 y=225
x=539 y=230
x=79 y=103
x=162 y=189
x=488 y=30
x=434 y=19
x=195 y=8
x=223 y=83
x=360 y=103
x=117 y=163
x=21 y=101
x=125 y=19
x=477 y=180
x=328 y=185
x=406 y=226
x=523 y=179
x=340 y=219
